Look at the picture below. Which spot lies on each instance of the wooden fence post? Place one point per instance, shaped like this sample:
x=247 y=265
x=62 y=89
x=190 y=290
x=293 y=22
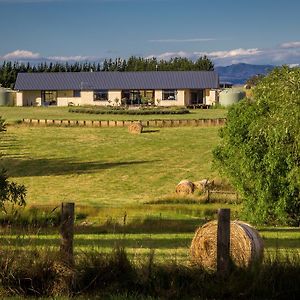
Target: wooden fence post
x=208 y=195
x=67 y=232
x=223 y=241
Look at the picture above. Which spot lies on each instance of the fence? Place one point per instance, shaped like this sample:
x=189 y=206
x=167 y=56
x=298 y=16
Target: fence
x=153 y=229
x=125 y=123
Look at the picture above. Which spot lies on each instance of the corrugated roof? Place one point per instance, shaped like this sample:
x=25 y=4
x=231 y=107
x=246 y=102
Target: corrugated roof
x=117 y=80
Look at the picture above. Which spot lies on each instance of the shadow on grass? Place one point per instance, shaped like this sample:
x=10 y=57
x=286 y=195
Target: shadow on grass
x=118 y=239
x=59 y=166
x=282 y=243
x=281 y=230
x=138 y=242
x=150 y=226
x=150 y=131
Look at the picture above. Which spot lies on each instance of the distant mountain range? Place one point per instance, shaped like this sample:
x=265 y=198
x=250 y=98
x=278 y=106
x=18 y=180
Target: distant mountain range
x=239 y=73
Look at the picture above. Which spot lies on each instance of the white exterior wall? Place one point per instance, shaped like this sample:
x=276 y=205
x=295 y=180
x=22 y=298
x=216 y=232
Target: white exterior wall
x=64 y=98
x=113 y=95
x=87 y=98
x=28 y=98
x=158 y=97
x=19 y=99
x=206 y=96
x=213 y=97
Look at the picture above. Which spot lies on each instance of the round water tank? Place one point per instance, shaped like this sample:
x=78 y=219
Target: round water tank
x=231 y=96
x=4 y=97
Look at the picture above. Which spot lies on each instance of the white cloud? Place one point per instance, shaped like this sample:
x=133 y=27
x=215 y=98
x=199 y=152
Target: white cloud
x=192 y=40
x=21 y=54
x=69 y=58
x=168 y=55
x=219 y=56
x=276 y=56
x=25 y=55
x=293 y=65
x=234 y=53
x=290 y=45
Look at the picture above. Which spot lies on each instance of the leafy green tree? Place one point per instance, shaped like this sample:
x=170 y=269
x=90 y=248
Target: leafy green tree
x=10 y=192
x=255 y=79
x=260 y=149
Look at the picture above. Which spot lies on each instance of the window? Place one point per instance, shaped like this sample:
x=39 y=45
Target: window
x=101 y=95
x=49 y=97
x=131 y=97
x=76 y=94
x=169 y=94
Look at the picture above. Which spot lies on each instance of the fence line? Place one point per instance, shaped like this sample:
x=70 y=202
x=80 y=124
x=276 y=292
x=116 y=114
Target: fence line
x=125 y=123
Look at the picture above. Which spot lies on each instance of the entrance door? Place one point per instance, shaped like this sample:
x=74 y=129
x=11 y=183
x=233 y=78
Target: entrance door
x=196 y=97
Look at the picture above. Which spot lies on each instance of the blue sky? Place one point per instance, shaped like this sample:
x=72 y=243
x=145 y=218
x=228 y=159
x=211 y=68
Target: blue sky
x=231 y=31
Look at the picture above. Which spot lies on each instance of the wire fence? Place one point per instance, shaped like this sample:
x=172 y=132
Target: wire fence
x=102 y=229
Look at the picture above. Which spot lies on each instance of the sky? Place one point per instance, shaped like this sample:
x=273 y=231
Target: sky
x=231 y=31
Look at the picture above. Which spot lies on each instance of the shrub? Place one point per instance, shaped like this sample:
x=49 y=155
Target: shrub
x=123 y=111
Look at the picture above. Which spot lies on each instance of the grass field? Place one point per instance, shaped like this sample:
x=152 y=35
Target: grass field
x=113 y=176
x=12 y=114
x=105 y=167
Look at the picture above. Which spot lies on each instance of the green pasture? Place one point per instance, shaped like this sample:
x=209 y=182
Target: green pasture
x=123 y=185
x=105 y=166
x=167 y=247
x=13 y=114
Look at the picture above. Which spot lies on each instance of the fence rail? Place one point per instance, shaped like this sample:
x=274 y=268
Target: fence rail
x=125 y=123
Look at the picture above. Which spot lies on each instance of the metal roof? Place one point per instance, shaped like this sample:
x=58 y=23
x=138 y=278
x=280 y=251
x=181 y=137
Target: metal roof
x=117 y=80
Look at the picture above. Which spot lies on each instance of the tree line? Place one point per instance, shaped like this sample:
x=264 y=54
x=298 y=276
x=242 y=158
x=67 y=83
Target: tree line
x=9 y=70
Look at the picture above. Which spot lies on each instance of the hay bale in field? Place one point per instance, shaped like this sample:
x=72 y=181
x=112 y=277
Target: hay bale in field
x=204 y=184
x=135 y=127
x=246 y=245
x=185 y=187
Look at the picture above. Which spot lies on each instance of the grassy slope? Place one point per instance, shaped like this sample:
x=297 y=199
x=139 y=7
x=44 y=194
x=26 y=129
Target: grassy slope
x=105 y=166
x=17 y=113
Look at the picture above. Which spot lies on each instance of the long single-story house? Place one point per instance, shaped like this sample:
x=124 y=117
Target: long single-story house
x=166 y=88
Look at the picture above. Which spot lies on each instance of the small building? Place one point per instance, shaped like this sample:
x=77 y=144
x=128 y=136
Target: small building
x=166 y=88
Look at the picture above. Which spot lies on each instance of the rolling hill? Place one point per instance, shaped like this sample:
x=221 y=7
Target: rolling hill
x=239 y=73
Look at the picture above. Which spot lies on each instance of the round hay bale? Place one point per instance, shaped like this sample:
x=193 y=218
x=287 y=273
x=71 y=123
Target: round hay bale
x=204 y=184
x=246 y=245
x=135 y=127
x=185 y=187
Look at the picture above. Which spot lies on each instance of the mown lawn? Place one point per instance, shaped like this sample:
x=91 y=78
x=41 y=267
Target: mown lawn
x=107 y=166
x=12 y=114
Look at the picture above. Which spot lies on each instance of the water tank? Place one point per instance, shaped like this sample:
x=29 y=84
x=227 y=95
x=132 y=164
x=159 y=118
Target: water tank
x=231 y=96
x=5 y=97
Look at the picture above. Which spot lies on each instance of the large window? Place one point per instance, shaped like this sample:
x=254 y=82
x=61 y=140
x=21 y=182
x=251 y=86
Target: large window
x=169 y=94
x=77 y=94
x=101 y=95
x=135 y=97
x=49 y=97
x=131 y=97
